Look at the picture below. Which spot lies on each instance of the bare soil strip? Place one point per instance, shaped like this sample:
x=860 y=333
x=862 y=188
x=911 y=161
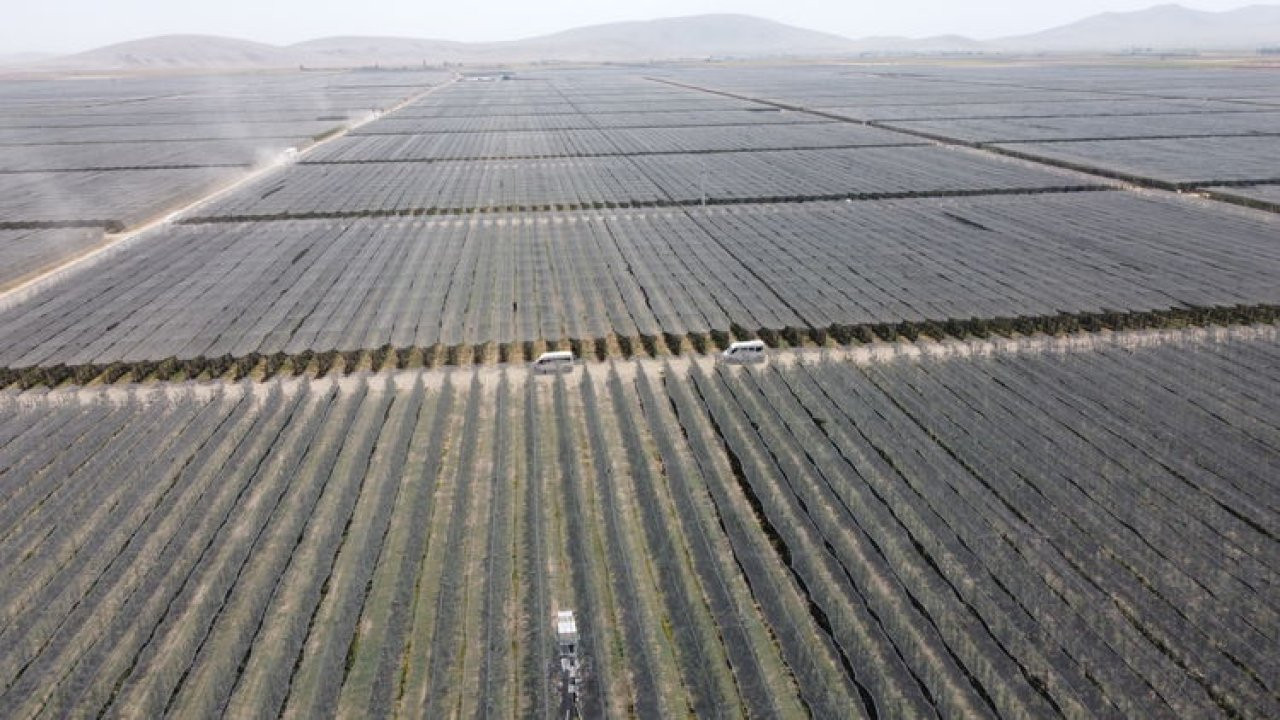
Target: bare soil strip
x=246 y=377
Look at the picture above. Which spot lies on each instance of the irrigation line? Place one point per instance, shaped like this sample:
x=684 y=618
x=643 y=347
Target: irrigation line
x=614 y=154
x=644 y=204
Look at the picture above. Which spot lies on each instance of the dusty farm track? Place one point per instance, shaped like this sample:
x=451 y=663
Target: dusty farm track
x=259 y=367
x=119 y=234
x=875 y=532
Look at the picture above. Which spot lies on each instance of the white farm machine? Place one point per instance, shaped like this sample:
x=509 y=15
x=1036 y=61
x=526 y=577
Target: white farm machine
x=570 y=669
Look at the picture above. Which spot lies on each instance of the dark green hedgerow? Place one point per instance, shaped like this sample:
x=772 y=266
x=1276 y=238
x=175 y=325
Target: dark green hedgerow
x=322 y=363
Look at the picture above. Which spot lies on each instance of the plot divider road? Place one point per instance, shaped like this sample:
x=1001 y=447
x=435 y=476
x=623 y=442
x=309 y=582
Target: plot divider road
x=118 y=241
x=1130 y=180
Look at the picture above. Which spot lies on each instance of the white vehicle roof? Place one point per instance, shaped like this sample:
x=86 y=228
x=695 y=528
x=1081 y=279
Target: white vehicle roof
x=565 y=623
x=747 y=345
x=556 y=355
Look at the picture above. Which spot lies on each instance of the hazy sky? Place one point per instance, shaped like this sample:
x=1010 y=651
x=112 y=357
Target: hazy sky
x=72 y=25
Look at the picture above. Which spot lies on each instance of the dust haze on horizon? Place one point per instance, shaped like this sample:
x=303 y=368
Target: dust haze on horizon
x=67 y=26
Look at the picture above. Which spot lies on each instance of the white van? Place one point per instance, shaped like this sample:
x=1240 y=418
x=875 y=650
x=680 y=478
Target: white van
x=554 y=362
x=745 y=351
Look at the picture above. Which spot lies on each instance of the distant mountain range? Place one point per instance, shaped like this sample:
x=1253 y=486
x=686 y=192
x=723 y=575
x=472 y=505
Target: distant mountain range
x=1163 y=27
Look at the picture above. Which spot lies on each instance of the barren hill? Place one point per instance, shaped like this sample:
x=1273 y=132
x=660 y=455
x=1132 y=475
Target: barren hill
x=180 y=52
x=1160 y=27
x=688 y=37
x=700 y=36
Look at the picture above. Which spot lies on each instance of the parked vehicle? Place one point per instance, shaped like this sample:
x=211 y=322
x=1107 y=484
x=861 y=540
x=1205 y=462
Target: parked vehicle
x=745 y=351
x=558 y=361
